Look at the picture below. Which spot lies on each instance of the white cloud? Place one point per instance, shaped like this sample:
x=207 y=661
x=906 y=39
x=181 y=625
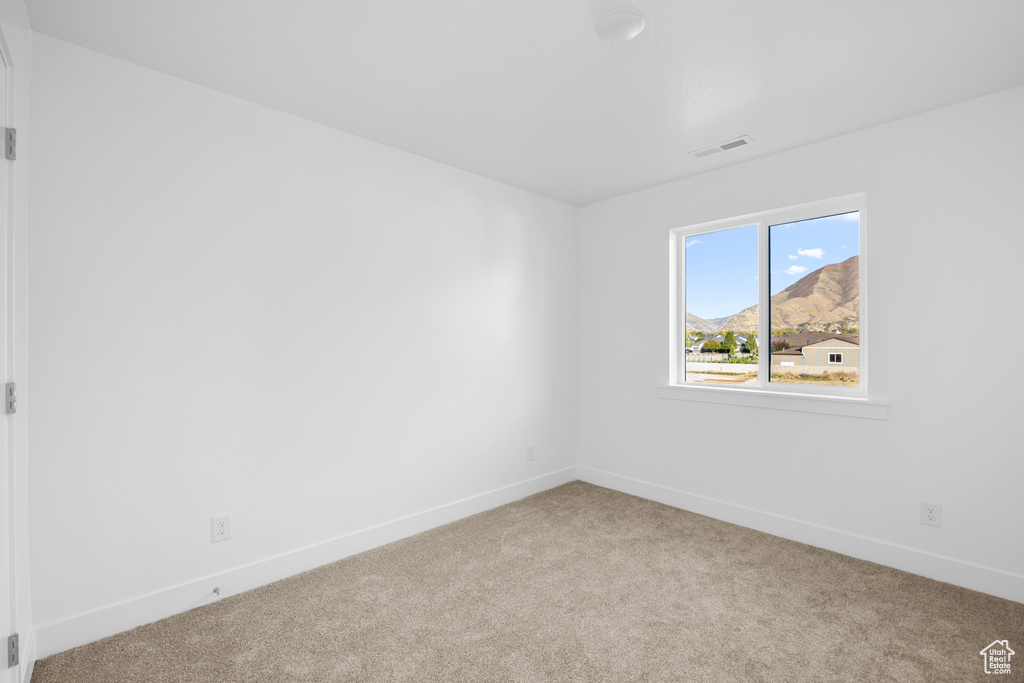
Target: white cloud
x=813 y=253
x=691 y=243
x=793 y=257
x=795 y=270
x=844 y=247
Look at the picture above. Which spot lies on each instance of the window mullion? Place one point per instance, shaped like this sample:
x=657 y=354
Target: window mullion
x=677 y=305
x=764 y=336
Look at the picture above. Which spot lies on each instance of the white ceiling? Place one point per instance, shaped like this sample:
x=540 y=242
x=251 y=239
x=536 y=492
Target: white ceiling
x=524 y=92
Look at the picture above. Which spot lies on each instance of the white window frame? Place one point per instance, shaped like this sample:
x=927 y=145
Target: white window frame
x=852 y=401
x=839 y=356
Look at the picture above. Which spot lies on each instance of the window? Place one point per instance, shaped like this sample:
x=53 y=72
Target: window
x=720 y=284
x=772 y=303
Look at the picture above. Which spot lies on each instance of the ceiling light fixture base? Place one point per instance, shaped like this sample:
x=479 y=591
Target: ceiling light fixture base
x=621 y=25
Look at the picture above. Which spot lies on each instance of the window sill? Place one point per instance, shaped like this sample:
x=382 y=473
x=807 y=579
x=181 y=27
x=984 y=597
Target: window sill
x=778 y=400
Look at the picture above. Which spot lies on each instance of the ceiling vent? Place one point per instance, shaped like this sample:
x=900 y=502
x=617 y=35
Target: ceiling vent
x=742 y=141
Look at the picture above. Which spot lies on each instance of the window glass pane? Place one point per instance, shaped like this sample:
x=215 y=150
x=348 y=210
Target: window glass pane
x=721 y=307
x=815 y=301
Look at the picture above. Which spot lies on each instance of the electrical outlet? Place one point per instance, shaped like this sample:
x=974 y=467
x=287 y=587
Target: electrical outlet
x=931 y=514
x=220 y=528
x=529 y=453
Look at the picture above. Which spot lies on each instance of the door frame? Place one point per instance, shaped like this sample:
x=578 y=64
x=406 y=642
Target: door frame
x=14 y=575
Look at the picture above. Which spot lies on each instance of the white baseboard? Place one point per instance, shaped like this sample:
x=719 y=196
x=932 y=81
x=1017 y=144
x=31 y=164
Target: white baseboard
x=57 y=636
x=28 y=657
x=976 y=577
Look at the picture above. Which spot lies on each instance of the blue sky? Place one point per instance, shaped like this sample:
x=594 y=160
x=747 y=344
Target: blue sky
x=721 y=267
x=721 y=272
x=797 y=249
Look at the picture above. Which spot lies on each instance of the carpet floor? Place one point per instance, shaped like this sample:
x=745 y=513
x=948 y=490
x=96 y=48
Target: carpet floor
x=579 y=583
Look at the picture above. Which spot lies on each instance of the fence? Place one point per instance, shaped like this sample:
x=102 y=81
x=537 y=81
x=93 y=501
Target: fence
x=712 y=357
x=734 y=368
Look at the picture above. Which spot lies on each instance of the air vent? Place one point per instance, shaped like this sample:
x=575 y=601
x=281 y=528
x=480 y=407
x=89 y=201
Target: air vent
x=734 y=144
x=706 y=152
x=724 y=147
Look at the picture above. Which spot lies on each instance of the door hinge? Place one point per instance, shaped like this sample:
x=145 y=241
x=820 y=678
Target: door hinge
x=11 y=144
x=12 y=650
x=11 y=398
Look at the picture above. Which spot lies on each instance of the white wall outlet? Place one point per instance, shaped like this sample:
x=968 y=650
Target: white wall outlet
x=931 y=514
x=220 y=528
x=530 y=453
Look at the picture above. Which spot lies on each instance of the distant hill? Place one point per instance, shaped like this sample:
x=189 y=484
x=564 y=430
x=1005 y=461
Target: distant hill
x=827 y=298
x=718 y=322
x=697 y=324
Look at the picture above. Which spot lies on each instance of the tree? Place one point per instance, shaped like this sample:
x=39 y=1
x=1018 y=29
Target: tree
x=711 y=345
x=729 y=344
x=751 y=344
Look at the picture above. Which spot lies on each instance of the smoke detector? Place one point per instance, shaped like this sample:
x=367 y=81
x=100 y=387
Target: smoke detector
x=735 y=143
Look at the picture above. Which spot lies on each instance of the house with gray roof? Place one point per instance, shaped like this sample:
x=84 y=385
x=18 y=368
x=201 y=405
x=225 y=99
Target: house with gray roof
x=817 y=352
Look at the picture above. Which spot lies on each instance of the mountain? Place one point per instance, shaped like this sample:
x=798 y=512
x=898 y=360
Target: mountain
x=697 y=324
x=825 y=299
x=718 y=322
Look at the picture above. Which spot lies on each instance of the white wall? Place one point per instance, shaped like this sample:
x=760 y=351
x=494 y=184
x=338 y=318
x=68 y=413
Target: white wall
x=238 y=311
x=944 y=254
x=14 y=13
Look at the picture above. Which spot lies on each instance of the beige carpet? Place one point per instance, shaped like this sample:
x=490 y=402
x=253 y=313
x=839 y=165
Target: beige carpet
x=579 y=583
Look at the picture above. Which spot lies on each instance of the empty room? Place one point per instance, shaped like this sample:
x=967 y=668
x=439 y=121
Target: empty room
x=571 y=340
